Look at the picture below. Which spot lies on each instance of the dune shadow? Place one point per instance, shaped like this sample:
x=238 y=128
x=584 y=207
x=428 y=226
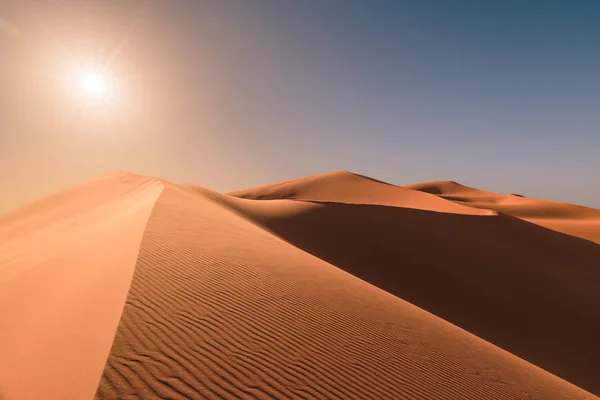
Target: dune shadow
x=525 y=288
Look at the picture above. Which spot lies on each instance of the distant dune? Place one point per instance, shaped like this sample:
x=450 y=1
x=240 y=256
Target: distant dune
x=332 y=286
x=574 y=220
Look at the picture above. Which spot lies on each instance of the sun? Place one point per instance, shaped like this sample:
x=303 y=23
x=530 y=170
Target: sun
x=96 y=90
x=95 y=85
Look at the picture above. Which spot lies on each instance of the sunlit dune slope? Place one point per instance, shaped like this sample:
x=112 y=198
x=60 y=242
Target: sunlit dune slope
x=221 y=308
x=527 y=289
x=572 y=219
x=65 y=267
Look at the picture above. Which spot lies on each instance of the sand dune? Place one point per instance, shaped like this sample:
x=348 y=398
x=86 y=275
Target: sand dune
x=232 y=297
x=571 y=219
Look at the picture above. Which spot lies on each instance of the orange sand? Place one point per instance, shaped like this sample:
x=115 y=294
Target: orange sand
x=234 y=297
x=65 y=268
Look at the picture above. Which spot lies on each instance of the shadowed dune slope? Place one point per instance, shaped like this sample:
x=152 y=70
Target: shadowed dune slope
x=527 y=289
x=571 y=219
x=220 y=308
x=65 y=267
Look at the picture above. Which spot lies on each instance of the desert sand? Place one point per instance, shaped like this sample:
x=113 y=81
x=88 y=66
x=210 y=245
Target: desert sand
x=330 y=286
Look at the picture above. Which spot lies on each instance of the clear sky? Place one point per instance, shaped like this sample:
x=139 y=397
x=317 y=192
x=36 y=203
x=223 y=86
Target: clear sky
x=502 y=95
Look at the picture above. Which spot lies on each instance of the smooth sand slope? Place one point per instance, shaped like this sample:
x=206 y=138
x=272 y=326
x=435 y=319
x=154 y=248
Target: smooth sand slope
x=571 y=219
x=65 y=267
x=225 y=299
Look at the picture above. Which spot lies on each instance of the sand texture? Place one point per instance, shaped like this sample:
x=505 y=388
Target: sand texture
x=335 y=286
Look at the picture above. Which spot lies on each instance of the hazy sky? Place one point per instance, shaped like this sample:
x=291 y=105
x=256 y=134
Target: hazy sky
x=502 y=95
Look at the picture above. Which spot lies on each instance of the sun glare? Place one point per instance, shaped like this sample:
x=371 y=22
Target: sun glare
x=95 y=86
x=95 y=90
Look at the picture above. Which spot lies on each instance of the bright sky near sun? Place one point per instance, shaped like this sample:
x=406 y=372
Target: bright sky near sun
x=229 y=94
